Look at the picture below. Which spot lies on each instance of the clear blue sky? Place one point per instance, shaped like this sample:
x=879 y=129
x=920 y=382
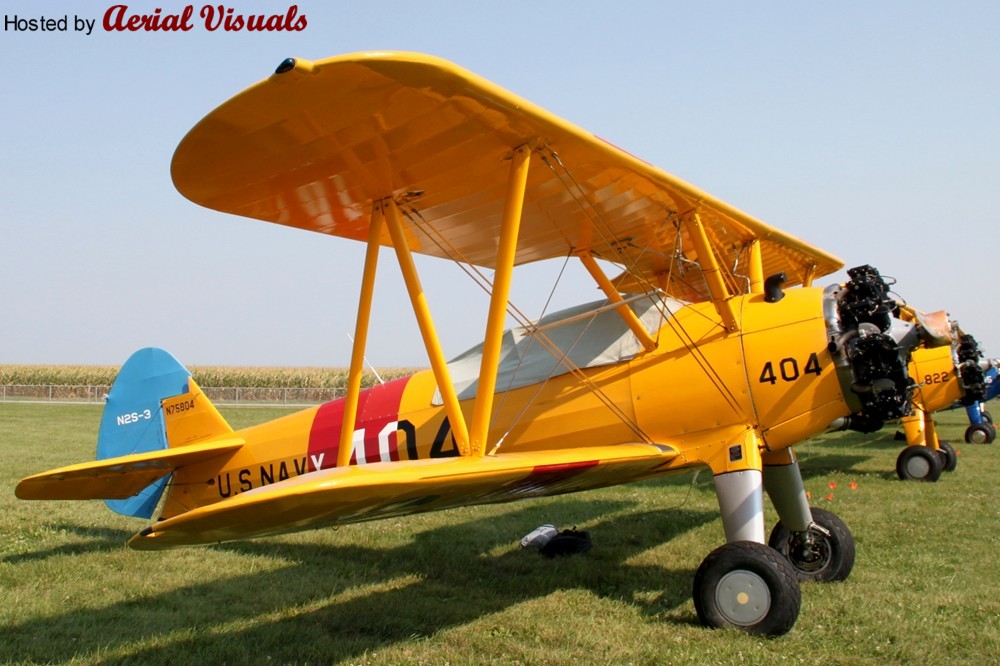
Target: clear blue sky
x=870 y=129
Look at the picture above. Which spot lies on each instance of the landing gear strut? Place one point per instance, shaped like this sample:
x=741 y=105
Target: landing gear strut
x=817 y=543
x=745 y=584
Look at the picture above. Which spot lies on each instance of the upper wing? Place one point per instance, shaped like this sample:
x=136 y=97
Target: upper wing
x=368 y=492
x=314 y=146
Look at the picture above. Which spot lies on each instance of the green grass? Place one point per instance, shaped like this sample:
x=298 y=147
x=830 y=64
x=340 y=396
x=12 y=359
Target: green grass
x=454 y=587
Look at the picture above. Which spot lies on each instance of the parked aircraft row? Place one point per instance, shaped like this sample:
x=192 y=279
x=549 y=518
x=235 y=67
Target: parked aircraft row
x=713 y=346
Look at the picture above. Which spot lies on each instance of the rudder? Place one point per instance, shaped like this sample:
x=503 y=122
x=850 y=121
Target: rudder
x=153 y=404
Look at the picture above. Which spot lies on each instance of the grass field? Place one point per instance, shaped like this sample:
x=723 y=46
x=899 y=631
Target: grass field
x=455 y=588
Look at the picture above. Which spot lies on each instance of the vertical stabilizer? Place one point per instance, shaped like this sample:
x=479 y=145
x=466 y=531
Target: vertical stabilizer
x=153 y=404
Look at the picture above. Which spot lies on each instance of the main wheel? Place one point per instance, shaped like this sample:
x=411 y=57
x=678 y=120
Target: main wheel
x=813 y=554
x=918 y=463
x=949 y=459
x=980 y=433
x=748 y=586
x=987 y=417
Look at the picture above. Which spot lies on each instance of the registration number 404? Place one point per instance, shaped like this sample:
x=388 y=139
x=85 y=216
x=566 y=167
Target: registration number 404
x=788 y=370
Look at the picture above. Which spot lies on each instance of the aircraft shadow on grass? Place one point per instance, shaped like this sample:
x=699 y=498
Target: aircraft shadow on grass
x=884 y=440
x=442 y=578
x=819 y=465
x=100 y=540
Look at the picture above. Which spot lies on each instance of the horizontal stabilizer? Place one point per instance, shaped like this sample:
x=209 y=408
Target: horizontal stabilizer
x=121 y=477
x=380 y=490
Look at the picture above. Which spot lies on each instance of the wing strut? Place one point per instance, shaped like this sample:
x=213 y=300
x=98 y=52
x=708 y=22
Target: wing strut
x=756 y=268
x=427 y=330
x=807 y=279
x=510 y=224
x=360 y=338
x=624 y=311
x=713 y=275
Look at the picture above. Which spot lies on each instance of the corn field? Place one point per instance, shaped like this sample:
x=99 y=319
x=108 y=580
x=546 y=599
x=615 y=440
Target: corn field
x=216 y=376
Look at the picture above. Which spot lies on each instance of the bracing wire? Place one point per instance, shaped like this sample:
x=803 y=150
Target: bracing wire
x=484 y=283
x=686 y=339
x=520 y=359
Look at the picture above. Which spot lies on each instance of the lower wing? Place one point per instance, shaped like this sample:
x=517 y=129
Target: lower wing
x=380 y=490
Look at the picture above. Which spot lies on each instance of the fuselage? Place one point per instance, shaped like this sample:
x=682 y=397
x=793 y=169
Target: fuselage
x=933 y=369
x=698 y=391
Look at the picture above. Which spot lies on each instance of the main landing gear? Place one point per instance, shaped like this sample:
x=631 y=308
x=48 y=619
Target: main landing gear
x=926 y=454
x=981 y=433
x=919 y=463
x=823 y=553
x=748 y=586
x=755 y=587
x=745 y=584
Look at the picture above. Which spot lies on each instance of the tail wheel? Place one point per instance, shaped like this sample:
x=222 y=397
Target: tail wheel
x=949 y=459
x=980 y=433
x=748 y=586
x=824 y=553
x=918 y=463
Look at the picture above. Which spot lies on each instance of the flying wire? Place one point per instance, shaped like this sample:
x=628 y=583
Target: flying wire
x=686 y=339
x=484 y=283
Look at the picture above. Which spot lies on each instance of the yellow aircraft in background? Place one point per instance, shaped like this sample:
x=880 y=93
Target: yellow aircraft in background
x=947 y=369
x=699 y=355
x=944 y=375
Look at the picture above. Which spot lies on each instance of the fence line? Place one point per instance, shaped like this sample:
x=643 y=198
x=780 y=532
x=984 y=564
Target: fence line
x=222 y=395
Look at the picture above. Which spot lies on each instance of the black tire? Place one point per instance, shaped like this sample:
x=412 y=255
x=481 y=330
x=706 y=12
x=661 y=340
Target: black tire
x=748 y=586
x=949 y=459
x=980 y=433
x=987 y=417
x=918 y=463
x=813 y=555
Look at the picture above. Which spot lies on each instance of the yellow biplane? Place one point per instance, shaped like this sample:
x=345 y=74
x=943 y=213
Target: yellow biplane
x=947 y=369
x=955 y=373
x=699 y=355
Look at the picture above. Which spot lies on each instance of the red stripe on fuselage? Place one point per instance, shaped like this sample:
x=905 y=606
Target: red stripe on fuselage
x=378 y=407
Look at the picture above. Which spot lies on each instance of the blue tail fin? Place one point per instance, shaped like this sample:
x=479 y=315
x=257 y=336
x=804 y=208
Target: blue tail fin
x=133 y=421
